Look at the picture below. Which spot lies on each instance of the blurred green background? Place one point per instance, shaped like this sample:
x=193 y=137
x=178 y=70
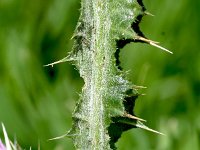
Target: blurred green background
x=36 y=102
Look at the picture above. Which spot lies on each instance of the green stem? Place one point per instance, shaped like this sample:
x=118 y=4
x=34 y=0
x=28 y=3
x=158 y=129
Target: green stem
x=101 y=24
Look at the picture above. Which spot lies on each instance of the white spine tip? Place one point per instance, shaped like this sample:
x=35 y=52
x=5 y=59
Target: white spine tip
x=160 y=47
x=148 y=13
x=57 y=62
x=142 y=126
x=153 y=43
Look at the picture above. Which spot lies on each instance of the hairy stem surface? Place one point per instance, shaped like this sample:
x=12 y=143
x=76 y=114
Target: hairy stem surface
x=105 y=108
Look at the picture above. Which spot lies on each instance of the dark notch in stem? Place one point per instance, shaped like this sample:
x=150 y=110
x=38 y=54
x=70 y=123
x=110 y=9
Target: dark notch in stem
x=122 y=42
x=141 y=4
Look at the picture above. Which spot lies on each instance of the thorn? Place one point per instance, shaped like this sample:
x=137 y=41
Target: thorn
x=57 y=62
x=73 y=36
x=142 y=126
x=62 y=136
x=58 y=137
x=139 y=124
x=134 y=117
x=162 y=48
x=139 y=87
x=153 y=43
x=148 y=13
x=145 y=40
